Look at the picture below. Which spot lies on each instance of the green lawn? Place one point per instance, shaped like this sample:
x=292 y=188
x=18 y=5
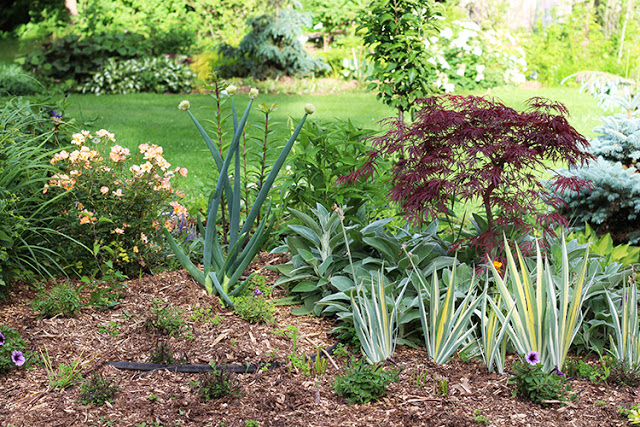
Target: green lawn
x=140 y=118
x=136 y=119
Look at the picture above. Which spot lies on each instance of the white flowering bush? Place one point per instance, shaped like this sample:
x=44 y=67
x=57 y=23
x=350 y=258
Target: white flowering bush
x=467 y=57
x=114 y=202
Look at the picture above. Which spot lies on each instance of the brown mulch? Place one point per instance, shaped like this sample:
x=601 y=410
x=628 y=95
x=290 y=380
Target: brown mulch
x=276 y=397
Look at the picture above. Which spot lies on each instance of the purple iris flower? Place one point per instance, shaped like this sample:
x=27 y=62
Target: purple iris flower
x=257 y=292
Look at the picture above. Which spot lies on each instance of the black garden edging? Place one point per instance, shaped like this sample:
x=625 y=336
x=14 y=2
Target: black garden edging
x=245 y=368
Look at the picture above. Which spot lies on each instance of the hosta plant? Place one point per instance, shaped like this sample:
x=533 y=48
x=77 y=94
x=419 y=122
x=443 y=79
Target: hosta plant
x=225 y=264
x=624 y=254
x=158 y=75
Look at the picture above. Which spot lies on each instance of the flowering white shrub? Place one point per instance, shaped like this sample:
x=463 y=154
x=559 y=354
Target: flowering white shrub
x=467 y=57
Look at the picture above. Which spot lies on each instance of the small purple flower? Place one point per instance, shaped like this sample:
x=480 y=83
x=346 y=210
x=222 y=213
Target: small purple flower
x=55 y=114
x=18 y=358
x=257 y=292
x=559 y=372
x=2 y=339
x=533 y=358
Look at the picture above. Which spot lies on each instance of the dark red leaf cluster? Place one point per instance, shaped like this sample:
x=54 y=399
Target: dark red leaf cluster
x=474 y=148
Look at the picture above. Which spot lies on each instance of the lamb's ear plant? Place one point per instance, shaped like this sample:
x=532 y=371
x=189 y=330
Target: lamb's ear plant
x=546 y=308
x=316 y=251
x=224 y=264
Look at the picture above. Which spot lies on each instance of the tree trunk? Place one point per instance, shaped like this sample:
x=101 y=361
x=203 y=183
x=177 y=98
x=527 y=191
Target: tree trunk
x=624 y=27
x=72 y=7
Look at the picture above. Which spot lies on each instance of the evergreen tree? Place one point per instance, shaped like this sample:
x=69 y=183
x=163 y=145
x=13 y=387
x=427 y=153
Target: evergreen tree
x=272 y=47
x=612 y=204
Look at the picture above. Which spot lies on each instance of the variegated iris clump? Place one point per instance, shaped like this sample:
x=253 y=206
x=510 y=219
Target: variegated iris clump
x=225 y=261
x=112 y=201
x=544 y=307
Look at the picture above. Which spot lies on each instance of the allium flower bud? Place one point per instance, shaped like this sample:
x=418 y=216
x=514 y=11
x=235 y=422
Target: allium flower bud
x=309 y=108
x=231 y=90
x=253 y=93
x=184 y=105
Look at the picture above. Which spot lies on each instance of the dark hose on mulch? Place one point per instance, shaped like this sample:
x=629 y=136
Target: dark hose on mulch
x=245 y=368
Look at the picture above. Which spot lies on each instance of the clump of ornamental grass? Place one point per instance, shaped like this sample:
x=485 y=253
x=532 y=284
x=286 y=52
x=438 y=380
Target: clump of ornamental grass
x=465 y=149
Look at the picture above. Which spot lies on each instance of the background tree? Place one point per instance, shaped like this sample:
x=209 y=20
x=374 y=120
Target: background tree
x=395 y=31
x=272 y=47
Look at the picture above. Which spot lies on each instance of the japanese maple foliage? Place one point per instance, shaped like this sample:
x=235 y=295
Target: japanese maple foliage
x=471 y=148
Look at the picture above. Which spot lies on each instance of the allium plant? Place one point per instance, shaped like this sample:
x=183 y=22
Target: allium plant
x=476 y=149
x=225 y=262
x=112 y=201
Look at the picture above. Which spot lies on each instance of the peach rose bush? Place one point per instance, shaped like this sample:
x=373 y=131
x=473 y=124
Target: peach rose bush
x=113 y=203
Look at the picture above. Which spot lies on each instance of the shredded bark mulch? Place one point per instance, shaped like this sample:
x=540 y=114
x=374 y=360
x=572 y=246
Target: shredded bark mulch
x=273 y=396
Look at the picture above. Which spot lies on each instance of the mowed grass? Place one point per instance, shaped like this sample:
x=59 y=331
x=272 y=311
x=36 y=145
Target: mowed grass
x=140 y=118
x=152 y=118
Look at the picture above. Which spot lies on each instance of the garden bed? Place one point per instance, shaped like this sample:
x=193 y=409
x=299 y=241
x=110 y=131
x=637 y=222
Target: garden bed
x=271 y=397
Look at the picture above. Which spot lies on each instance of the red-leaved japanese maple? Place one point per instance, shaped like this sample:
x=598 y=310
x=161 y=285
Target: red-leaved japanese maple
x=471 y=148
